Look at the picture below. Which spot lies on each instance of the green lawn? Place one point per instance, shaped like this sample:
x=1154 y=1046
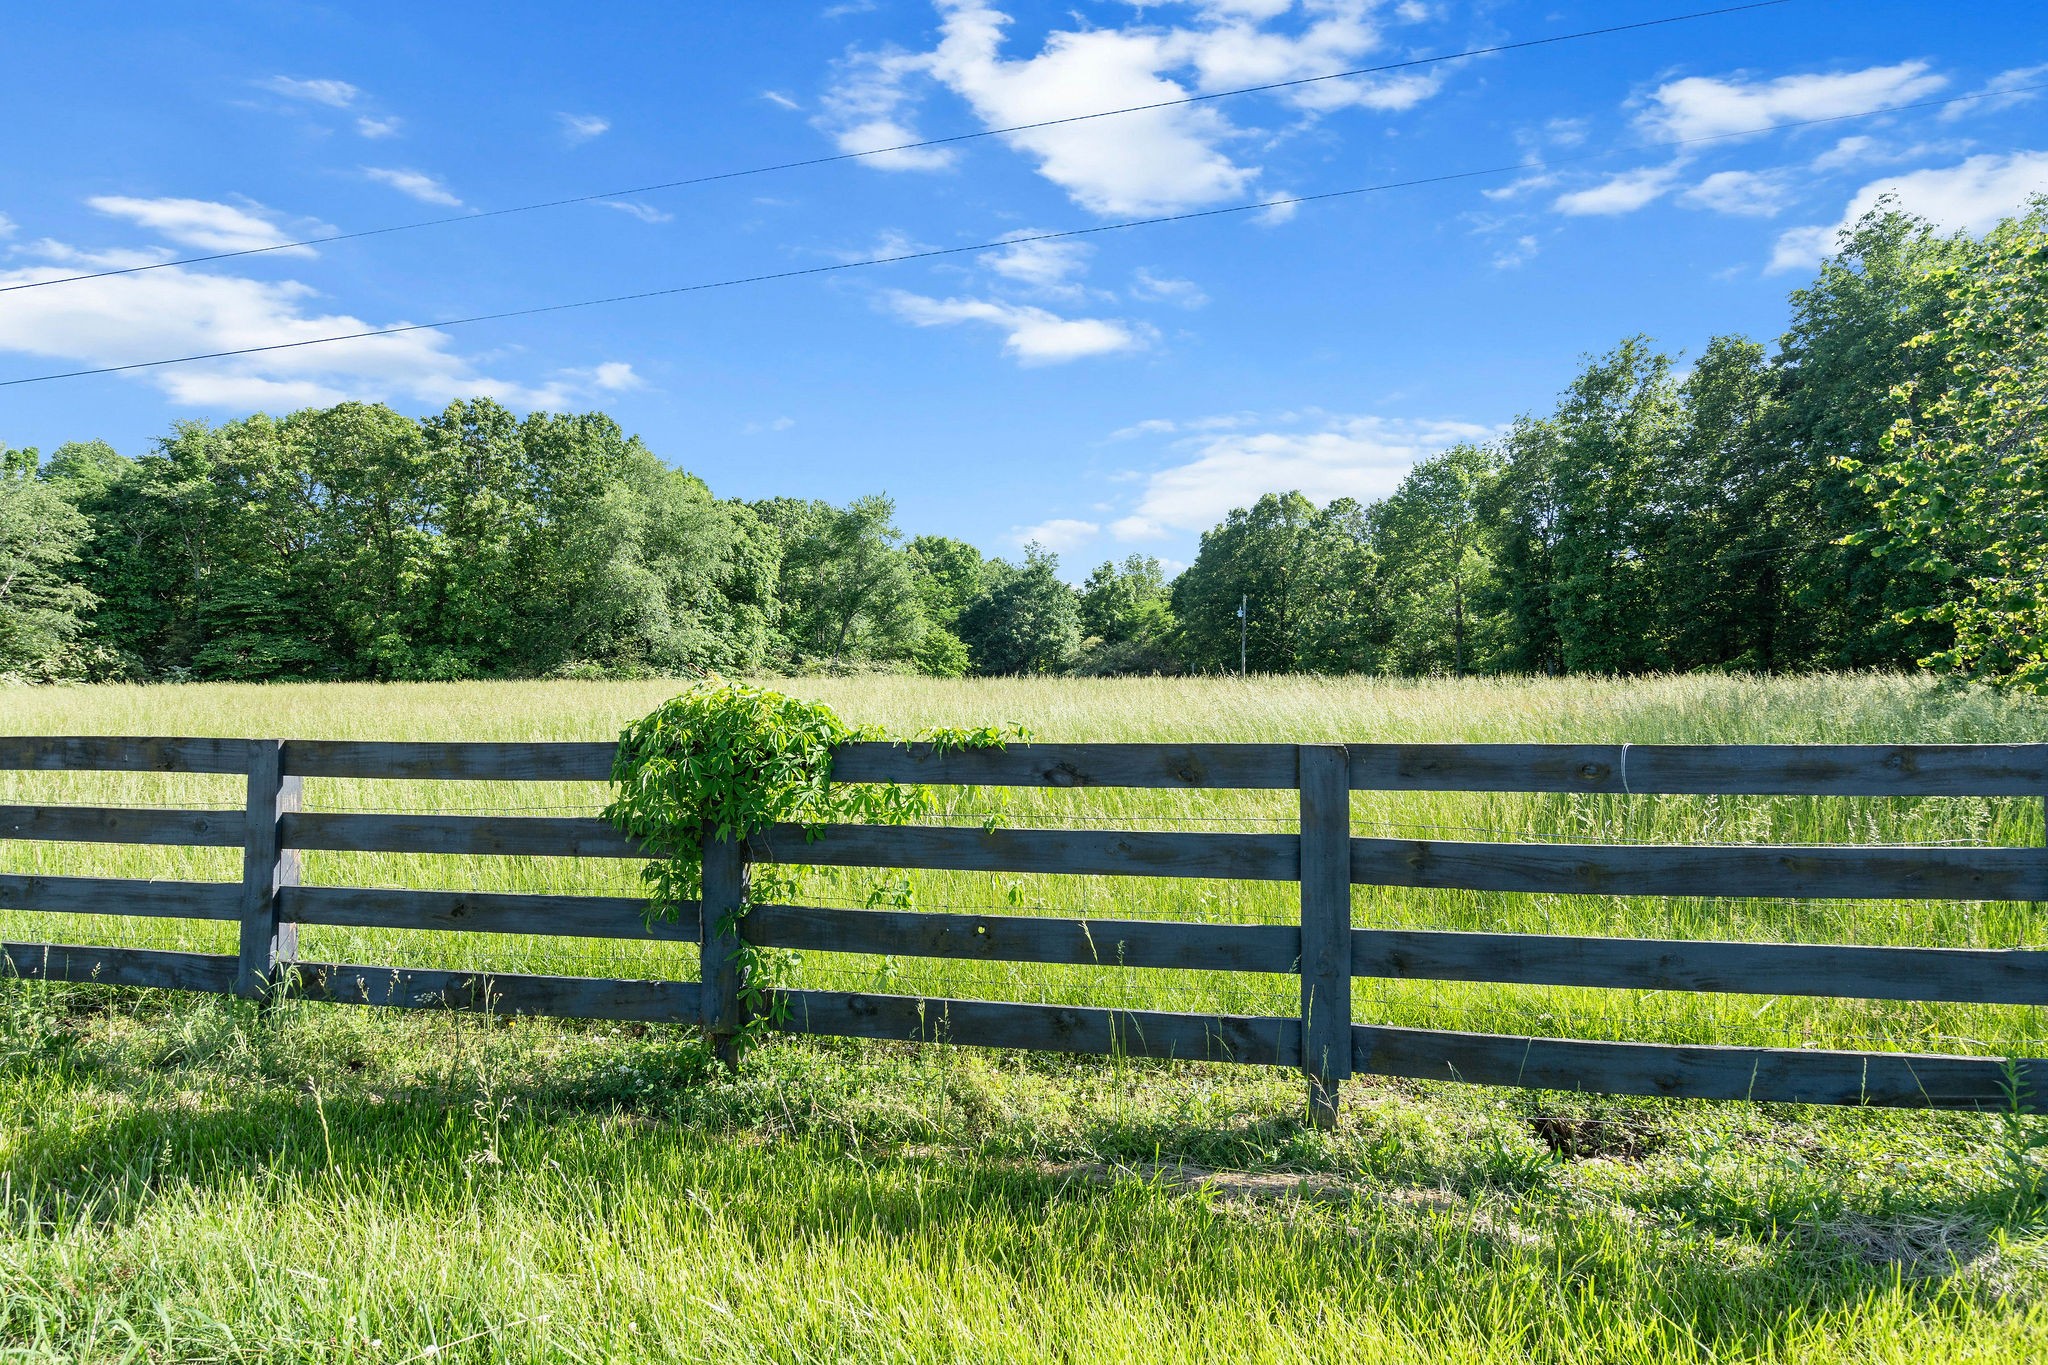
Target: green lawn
x=185 y=1179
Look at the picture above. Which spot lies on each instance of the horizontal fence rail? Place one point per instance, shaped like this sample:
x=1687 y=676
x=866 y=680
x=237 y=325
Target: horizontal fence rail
x=1323 y=949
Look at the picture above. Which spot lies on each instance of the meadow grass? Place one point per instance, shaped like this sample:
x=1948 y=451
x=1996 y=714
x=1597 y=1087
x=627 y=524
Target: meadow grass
x=185 y=1178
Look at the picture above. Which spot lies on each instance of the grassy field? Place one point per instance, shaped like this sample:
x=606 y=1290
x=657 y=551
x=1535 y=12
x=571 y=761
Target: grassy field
x=185 y=1179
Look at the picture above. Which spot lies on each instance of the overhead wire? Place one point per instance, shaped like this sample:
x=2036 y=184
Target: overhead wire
x=920 y=145
x=1006 y=243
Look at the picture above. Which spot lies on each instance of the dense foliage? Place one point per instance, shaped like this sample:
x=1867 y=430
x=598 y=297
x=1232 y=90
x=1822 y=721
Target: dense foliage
x=1869 y=492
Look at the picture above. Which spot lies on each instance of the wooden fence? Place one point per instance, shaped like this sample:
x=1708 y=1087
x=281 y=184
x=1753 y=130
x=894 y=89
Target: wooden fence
x=1323 y=949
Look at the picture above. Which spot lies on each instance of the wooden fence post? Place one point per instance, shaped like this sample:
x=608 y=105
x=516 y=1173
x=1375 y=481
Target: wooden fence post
x=725 y=889
x=268 y=943
x=1325 y=782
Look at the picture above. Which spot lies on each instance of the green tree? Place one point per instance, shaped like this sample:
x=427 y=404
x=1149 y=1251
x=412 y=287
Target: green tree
x=849 y=589
x=1304 y=577
x=1026 y=621
x=40 y=537
x=1434 y=565
x=1961 y=488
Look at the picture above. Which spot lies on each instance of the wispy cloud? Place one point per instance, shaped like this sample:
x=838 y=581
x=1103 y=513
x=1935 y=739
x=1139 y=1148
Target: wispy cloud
x=646 y=213
x=332 y=93
x=1623 y=193
x=583 y=127
x=2003 y=81
x=1166 y=289
x=1704 y=106
x=378 y=127
x=1031 y=335
x=780 y=100
x=1061 y=535
x=418 y=184
x=200 y=223
x=1752 y=194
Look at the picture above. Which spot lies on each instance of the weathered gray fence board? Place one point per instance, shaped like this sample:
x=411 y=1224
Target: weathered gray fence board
x=119 y=825
x=463 y=760
x=1325 y=927
x=532 y=835
x=726 y=879
x=267 y=939
x=1027 y=938
x=1043 y=1028
x=1791 y=1075
x=565 y=997
x=482 y=912
x=1070 y=765
x=121 y=896
x=153 y=968
x=110 y=753
x=1985 y=976
x=1707 y=769
x=1239 y=857
x=1802 y=872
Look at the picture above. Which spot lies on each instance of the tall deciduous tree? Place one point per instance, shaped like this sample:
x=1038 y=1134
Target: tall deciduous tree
x=40 y=537
x=1962 y=485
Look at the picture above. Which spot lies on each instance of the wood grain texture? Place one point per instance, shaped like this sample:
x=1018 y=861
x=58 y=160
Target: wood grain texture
x=529 y=835
x=1325 y=927
x=120 y=825
x=1239 y=857
x=1994 y=976
x=1803 y=872
x=267 y=939
x=1790 y=1075
x=1041 y=1028
x=96 y=753
x=726 y=880
x=1190 y=766
x=466 y=761
x=562 y=997
x=146 y=967
x=1027 y=938
x=1707 y=769
x=121 y=896
x=482 y=912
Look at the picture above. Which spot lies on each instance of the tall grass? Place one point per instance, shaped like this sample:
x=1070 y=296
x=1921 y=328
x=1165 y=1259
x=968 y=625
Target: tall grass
x=1694 y=709
x=182 y=1178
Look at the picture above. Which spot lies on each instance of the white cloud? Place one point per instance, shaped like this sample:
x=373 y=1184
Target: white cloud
x=1032 y=336
x=1044 y=265
x=1521 y=253
x=2004 y=82
x=1165 y=289
x=334 y=94
x=1623 y=193
x=583 y=127
x=778 y=424
x=178 y=311
x=780 y=100
x=615 y=376
x=1750 y=194
x=1527 y=184
x=1849 y=151
x=646 y=213
x=1348 y=457
x=199 y=223
x=1157 y=160
x=378 y=127
x=1701 y=106
x=7 y=226
x=418 y=184
x=1061 y=535
x=1968 y=197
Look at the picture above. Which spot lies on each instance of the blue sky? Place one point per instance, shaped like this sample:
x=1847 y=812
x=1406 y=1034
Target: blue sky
x=1112 y=394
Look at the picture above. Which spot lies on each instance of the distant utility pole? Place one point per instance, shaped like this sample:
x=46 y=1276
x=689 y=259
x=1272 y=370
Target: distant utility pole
x=1242 y=600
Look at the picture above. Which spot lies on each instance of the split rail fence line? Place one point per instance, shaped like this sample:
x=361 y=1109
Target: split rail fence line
x=1324 y=949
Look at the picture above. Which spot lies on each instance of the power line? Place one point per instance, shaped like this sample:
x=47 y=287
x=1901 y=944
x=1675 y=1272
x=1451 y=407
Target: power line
x=931 y=253
x=1409 y=64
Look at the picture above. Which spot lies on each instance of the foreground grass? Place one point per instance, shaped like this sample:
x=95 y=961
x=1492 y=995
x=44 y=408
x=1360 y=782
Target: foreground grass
x=188 y=1180
x=185 y=1179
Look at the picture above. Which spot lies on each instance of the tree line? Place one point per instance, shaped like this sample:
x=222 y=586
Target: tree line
x=1868 y=491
